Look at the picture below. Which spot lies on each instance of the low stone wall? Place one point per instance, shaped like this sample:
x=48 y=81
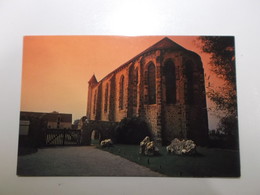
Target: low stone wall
x=106 y=129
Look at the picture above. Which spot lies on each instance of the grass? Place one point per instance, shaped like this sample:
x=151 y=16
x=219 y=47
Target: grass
x=208 y=162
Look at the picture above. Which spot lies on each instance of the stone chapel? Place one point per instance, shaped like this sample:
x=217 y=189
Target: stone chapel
x=163 y=85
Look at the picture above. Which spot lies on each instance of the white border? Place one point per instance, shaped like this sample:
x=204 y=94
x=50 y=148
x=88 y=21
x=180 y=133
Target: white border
x=117 y=17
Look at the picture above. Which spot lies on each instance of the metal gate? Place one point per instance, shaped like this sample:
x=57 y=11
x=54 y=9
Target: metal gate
x=62 y=137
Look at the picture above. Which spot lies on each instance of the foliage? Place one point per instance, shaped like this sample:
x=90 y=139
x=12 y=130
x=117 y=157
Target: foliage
x=222 y=61
x=131 y=131
x=222 y=52
x=229 y=125
x=224 y=97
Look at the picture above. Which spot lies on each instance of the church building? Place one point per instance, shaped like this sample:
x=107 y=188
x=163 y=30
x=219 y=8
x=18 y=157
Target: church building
x=164 y=85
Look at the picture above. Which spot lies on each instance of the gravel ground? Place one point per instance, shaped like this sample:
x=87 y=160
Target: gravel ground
x=78 y=161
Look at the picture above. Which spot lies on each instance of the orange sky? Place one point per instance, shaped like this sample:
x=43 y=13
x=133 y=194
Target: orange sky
x=56 y=69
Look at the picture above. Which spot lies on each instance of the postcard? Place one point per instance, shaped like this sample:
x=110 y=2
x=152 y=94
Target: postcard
x=150 y=106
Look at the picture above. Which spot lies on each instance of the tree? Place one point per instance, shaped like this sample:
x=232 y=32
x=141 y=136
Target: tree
x=131 y=131
x=222 y=61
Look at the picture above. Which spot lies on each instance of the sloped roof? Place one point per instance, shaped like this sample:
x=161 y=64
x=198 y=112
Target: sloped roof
x=165 y=43
x=93 y=79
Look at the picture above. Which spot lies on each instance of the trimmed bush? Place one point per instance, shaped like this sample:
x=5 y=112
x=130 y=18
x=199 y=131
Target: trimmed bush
x=131 y=131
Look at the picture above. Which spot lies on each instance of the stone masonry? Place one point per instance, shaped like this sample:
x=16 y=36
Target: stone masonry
x=163 y=85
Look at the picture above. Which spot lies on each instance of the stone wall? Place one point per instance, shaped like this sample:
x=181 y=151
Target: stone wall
x=174 y=123
x=106 y=130
x=151 y=117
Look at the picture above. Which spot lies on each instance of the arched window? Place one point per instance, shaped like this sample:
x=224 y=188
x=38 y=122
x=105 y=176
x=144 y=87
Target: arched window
x=135 y=87
x=170 y=79
x=121 y=93
x=106 y=98
x=151 y=84
x=190 y=82
x=95 y=102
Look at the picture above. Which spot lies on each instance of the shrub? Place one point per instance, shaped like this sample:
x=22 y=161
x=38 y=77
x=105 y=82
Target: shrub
x=131 y=131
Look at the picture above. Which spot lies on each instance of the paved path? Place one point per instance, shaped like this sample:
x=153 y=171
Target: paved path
x=78 y=161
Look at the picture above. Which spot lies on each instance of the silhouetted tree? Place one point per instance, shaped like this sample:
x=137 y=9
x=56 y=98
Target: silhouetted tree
x=222 y=61
x=131 y=131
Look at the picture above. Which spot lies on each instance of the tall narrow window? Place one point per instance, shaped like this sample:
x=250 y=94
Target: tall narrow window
x=135 y=87
x=95 y=102
x=121 y=93
x=170 y=78
x=106 y=98
x=151 y=84
x=190 y=82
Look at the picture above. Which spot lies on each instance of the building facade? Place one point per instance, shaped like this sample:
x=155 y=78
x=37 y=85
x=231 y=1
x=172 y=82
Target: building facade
x=163 y=85
x=53 y=120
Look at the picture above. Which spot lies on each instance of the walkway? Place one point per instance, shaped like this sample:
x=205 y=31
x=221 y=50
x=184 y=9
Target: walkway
x=78 y=161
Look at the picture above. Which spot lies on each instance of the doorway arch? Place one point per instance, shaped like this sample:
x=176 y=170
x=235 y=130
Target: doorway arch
x=95 y=137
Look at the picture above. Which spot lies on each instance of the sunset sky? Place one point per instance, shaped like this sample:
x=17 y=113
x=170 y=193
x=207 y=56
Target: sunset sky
x=56 y=69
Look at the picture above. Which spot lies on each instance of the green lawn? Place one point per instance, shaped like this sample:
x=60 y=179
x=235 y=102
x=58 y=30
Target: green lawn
x=209 y=162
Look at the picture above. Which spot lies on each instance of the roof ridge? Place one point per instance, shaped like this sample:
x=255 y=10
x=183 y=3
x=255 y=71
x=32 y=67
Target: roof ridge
x=165 y=43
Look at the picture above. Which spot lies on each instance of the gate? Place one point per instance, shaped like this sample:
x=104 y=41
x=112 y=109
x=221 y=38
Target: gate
x=62 y=137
